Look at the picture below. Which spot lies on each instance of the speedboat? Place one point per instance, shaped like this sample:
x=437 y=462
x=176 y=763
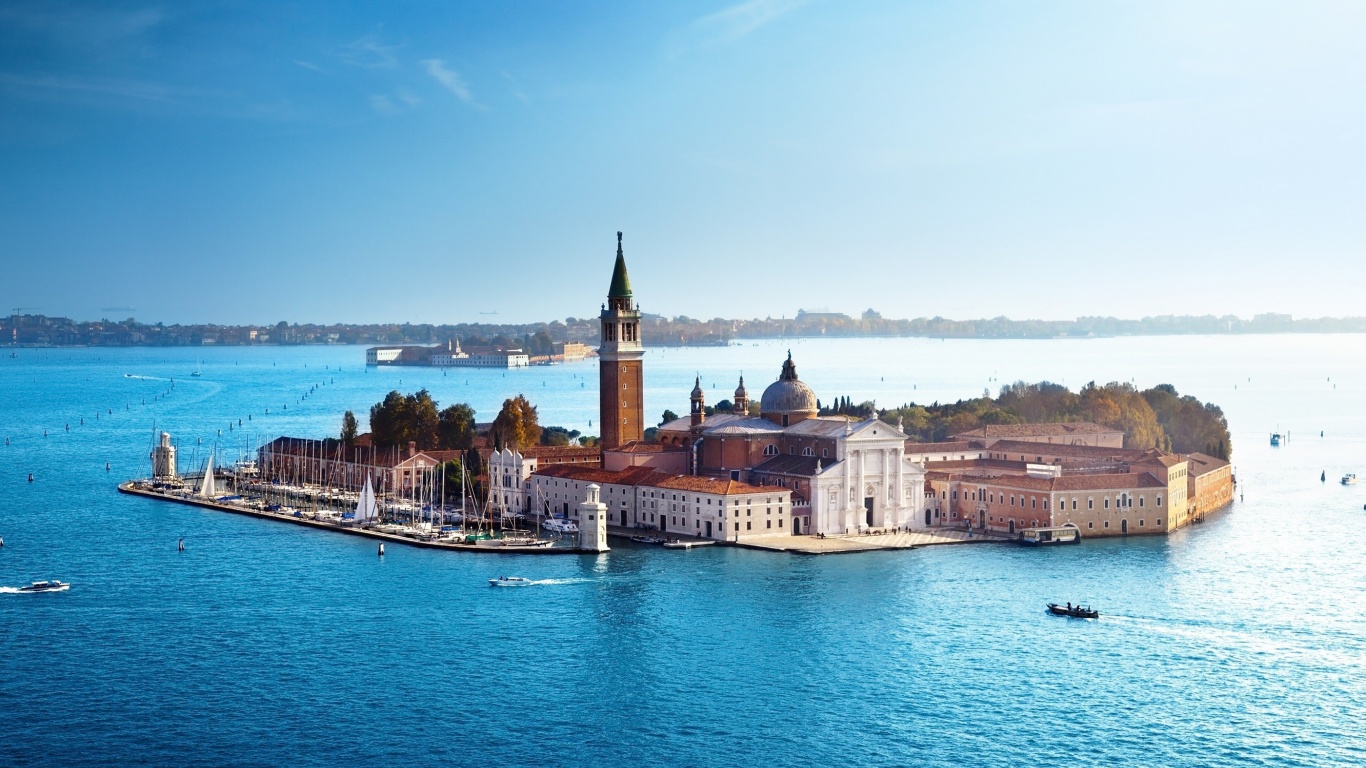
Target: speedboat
x=1349 y=479
x=46 y=586
x=677 y=544
x=1074 y=611
x=510 y=581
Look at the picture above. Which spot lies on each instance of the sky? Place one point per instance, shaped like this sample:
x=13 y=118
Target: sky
x=244 y=162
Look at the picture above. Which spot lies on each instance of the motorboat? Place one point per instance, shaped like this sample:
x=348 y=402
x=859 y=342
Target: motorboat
x=647 y=540
x=677 y=544
x=510 y=581
x=1074 y=611
x=1349 y=479
x=1275 y=438
x=559 y=525
x=1063 y=534
x=46 y=586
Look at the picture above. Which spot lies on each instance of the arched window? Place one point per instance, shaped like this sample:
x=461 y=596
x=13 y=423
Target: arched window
x=770 y=450
x=808 y=452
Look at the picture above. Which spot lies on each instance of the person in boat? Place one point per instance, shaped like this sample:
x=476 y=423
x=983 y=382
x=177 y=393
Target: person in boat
x=1069 y=606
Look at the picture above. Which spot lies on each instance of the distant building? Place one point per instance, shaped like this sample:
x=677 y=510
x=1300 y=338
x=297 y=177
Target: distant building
x=448 y=354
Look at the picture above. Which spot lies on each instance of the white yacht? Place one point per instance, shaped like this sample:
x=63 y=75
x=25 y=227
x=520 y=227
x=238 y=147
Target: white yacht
x=1349 y=479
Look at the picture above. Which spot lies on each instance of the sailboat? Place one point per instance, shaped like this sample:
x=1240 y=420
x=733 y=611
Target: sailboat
x=195 y=372
x=206 y=486
x=367 y=510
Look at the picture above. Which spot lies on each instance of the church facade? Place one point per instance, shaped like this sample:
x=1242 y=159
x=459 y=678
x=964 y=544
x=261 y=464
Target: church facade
x=844 y=476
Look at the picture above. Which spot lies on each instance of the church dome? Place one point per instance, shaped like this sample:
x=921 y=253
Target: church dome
x=788 y=396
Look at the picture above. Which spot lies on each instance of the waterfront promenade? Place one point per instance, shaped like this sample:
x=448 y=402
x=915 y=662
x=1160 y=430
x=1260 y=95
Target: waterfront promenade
x=851 y=544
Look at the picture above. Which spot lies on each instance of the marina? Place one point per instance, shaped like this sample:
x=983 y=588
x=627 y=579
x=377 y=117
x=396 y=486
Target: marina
x=451 y=540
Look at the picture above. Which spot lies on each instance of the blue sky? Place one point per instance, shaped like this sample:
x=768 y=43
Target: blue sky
x=305 y=161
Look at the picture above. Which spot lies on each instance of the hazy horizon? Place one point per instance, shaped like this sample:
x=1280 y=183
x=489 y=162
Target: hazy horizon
x=197 y=163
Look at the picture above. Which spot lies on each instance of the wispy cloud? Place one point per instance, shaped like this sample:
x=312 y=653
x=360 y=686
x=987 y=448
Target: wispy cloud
x=308 y=65
x=449 y=79
x=383 y=105
x=370 y=52
x=408 y=97
x=741 y=19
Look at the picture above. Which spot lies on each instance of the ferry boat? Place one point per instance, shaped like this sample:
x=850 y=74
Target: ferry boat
x=510 y=581
x=1073 y=611
x=1063 y=534
x=46 y=586
x=1349 y=479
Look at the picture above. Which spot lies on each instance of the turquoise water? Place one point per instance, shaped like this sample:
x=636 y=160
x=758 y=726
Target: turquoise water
x=1240 y=641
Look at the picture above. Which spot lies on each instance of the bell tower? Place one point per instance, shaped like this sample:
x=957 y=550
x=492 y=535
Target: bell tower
x=620 y=379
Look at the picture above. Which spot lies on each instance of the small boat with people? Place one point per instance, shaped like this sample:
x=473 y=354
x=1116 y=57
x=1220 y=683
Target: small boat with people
x=1349 y=479
x=46 y=586
x=679 y=544
x=510 y=581
x=647 y=539
x=1073 y=611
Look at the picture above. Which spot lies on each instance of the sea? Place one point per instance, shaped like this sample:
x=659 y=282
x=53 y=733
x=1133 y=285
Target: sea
x=1240 y=641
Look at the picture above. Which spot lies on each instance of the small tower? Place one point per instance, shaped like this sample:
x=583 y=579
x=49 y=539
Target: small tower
x=741 y=398
x=163 y=458
x=593 y=521
x=699 y=404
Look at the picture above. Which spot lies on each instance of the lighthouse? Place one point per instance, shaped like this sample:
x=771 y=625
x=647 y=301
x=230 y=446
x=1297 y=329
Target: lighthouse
x=593 y=521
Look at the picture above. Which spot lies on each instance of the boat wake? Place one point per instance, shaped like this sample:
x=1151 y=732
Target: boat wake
x=144 y=378
x=18 y=591
x=553 y=582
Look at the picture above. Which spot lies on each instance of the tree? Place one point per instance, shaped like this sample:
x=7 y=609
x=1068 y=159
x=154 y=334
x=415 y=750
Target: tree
x=455 y=428
x=398 y=420
x=667 y=417
x=517 y=424
x=349 y=428
x=559 y=436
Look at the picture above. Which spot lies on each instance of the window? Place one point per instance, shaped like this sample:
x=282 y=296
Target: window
x=770 y=450
x=808 y=452
x=1159 y=501
x=1140 y=522
x=1107 y=502
x=1107 y=523
x=1140 y=503
x=1159 y=522
x=1074 y=503
x=1090 y=525
x=770 y=523
x=1090 y=503
x=748 y=525
x=1032 y=501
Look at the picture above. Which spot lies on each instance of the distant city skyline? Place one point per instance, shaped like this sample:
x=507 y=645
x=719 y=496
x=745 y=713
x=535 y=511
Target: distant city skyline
x=194 y=163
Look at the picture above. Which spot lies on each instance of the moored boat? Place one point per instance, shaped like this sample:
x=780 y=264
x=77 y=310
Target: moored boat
x=647 y=539
x=1074 y=611
x=1062 y=534
x=1349 y=479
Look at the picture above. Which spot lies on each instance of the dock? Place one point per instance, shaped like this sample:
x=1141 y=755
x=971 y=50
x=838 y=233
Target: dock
x=132 y=488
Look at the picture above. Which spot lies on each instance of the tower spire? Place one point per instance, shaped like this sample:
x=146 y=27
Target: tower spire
x=621 y=282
